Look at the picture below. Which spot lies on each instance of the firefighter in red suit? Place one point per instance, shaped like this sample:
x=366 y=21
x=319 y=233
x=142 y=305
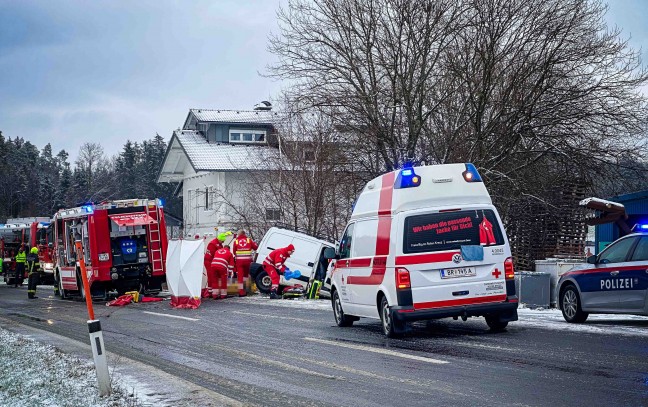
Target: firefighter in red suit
x=222 y=264
x=242 y=248
x=274 y=265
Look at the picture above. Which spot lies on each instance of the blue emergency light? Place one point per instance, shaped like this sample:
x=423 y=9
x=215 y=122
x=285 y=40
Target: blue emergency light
x=642 y=227
x=407 y=178
x=471 y=174
x=87 y=209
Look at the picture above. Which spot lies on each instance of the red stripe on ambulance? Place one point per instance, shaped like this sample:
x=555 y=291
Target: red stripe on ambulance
x=383 y=235
x=463 y=301
x=424 y=258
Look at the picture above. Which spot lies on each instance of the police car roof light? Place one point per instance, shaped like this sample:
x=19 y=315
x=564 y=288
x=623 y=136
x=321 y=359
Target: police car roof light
x=471 y=174
x=407 y=178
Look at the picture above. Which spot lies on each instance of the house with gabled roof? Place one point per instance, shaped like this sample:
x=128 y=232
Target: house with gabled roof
x=209 y=157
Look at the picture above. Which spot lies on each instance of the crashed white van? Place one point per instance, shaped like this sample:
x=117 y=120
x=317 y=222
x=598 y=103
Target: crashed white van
x=424 y=243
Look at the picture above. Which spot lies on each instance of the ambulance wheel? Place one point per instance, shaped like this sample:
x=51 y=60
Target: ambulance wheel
x=570 y=305
x=495 y=324
x=341 y=319
x=391 y=327
x=263 y=282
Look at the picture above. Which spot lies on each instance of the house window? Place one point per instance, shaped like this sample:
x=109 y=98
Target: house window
x=309 y=155
x=273 y=214
x=247 y=136
x=209 y=198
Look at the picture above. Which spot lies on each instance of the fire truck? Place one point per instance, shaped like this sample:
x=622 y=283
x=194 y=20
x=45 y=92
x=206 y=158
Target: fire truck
x=124 y=247
x=27 y=232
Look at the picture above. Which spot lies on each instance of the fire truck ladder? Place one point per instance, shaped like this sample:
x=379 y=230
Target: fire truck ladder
x=155 y=239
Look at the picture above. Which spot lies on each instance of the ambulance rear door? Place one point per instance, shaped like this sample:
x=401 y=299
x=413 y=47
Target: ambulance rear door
x=455 y=257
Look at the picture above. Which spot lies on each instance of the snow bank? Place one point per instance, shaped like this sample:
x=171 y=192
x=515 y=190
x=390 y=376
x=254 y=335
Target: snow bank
x=34 y=374
x=302 y=303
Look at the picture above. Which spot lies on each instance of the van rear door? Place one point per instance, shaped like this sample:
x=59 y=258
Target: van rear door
x=455 y=257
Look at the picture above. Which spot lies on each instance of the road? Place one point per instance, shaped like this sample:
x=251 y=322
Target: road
x=261 y=352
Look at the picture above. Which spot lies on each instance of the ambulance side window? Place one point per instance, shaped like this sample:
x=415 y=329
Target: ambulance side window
x=345 y=243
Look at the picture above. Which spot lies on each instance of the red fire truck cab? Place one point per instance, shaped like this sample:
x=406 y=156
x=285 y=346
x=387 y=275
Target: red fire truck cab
x=124 y=245
x=28 y=233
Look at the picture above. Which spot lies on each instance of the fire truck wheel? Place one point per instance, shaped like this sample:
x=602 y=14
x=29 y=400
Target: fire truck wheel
x=82 y=292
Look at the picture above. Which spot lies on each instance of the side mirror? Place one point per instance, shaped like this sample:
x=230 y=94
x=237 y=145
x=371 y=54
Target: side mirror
x=329 y=253
x=591 y=260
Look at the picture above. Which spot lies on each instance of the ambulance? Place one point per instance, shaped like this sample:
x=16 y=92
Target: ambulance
x=424 y=243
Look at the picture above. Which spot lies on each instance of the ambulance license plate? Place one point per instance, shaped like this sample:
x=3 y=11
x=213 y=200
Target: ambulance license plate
x=458 y=272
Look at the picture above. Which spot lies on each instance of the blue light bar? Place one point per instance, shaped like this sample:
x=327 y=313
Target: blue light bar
x=407 y=178
x=643 y=227
x=471 y=174
x=87 y=209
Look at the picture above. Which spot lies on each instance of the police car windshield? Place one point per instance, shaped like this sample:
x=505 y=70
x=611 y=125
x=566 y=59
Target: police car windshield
x=434 y=232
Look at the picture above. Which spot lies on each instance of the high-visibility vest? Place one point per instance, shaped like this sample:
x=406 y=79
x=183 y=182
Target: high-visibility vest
x=21 y=257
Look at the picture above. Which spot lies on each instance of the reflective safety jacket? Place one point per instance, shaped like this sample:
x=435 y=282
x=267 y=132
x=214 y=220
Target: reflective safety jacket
x=33 y=263
x=243 y=247
x=212 y=247
x=21 y=257
x=278 y=257
x=223 y=259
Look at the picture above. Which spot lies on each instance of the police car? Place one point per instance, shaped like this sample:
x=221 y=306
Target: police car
x=613 y=282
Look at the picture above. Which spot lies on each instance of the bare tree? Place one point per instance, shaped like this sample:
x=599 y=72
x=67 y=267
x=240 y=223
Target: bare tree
x=539 y=94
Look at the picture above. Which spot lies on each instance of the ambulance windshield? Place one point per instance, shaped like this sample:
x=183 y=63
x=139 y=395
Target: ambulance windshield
x=435 y=232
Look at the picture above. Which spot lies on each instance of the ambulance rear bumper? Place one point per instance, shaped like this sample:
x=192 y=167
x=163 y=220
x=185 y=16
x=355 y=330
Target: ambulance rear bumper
x=507 y=312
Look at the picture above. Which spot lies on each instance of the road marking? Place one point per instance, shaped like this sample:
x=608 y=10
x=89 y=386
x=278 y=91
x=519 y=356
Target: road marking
x=272 y=316
x=377 y=350
x=170 y=316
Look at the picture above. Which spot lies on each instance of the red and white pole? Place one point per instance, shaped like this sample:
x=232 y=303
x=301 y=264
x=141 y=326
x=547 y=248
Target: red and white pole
x=94 y=328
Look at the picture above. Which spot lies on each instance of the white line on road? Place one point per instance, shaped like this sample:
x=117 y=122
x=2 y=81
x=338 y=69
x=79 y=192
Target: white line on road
x=377 y=350
x=170 y=316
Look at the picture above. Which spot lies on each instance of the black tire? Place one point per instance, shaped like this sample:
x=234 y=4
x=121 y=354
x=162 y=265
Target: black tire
x=390 y=327
x=495 y=324
x=263 y=282
x=82 y=292
x=341 y=319
x=570 y=305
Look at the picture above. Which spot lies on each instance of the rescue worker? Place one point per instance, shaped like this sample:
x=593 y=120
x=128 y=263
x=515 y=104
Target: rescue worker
x=222 y=264
x=33 y=265
x=242 y=248
x=21 y=258
x=213 y=246
x=274 y=265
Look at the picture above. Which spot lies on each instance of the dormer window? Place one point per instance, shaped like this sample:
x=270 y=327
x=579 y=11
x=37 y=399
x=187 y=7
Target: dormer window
x=203 y=127
x=247 y=136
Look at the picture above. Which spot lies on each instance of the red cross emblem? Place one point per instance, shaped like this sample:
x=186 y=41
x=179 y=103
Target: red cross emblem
x=496 y=273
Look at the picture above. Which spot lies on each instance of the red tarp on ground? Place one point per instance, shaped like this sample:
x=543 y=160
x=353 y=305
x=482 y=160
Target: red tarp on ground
x=185 y=302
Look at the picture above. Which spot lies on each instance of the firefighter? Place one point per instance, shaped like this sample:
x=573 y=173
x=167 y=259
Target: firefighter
x=243 y=247
x=222 y=264
x=274 y=265
x=21 y=258
x=33 y=265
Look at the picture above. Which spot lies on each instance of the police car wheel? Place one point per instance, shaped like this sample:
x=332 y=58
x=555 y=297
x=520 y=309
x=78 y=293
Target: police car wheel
x=495 y=324
x=391 y=328
x=571 y=307
x=341 y=319
x=263 y=282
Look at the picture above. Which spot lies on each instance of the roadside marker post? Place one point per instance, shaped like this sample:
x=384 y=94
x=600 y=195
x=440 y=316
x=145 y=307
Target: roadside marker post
x=94 y=328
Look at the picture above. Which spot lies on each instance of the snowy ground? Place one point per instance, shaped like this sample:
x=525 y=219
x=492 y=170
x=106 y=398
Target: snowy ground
x=540 y=318
x=34 y=374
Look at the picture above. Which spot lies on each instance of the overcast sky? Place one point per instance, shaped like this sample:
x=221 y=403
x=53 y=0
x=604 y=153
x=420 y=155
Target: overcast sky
x=108 y=71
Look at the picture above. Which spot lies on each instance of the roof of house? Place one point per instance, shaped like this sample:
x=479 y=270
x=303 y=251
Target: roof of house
x=235 y=116
x=206 y=156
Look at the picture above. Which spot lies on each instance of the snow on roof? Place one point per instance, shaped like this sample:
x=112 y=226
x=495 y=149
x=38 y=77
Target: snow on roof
x=236 y=116
x=223 y=157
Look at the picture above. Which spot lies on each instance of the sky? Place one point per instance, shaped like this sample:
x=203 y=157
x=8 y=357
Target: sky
x=110 y=71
